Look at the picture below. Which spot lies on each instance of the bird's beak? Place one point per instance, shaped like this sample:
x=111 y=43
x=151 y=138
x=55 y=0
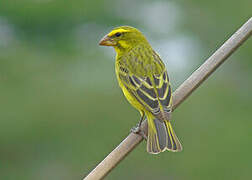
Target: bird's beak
x=107 y=41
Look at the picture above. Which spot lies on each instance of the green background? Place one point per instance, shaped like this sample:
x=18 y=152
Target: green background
x=62 y=112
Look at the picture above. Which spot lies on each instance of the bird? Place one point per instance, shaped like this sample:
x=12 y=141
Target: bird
x=144 y=81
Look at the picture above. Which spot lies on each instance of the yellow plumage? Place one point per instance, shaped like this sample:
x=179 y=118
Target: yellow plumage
x=144 y=81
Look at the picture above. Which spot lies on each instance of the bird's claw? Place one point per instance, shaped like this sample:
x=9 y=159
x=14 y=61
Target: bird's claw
x=139 y=131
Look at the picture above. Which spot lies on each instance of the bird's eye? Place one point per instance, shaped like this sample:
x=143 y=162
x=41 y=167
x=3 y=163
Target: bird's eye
x=118 y=34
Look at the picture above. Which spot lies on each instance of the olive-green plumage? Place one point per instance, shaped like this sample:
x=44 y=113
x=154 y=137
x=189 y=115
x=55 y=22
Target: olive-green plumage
x=144 y=81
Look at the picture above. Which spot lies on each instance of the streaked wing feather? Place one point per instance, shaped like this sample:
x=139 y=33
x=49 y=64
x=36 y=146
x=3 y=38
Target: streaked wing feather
x=154 y=94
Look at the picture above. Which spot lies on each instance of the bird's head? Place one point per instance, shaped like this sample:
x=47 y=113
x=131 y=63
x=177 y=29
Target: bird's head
x=123 y=38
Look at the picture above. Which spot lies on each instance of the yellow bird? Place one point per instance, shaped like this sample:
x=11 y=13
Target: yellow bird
x=144 y=81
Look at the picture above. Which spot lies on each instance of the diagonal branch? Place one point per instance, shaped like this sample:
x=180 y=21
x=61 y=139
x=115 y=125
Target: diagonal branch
x=185 y=90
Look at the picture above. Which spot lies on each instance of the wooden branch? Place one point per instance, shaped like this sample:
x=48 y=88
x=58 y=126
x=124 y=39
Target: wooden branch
x=194 y=81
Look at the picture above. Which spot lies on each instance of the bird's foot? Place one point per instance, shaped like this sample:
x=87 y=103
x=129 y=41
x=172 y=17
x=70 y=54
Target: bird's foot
x=137 y=130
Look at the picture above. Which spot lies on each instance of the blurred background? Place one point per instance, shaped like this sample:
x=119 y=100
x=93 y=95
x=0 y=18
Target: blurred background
x=62 y=112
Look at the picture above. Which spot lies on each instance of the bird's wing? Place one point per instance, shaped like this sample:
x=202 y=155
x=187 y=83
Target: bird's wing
x=153 y=92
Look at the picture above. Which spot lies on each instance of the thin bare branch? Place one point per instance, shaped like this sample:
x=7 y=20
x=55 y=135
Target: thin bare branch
x=194 y=81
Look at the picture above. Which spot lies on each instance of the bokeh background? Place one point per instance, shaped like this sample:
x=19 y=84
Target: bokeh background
x=61 y=110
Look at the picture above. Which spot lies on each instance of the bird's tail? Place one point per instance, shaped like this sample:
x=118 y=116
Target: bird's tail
x=161 y=137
